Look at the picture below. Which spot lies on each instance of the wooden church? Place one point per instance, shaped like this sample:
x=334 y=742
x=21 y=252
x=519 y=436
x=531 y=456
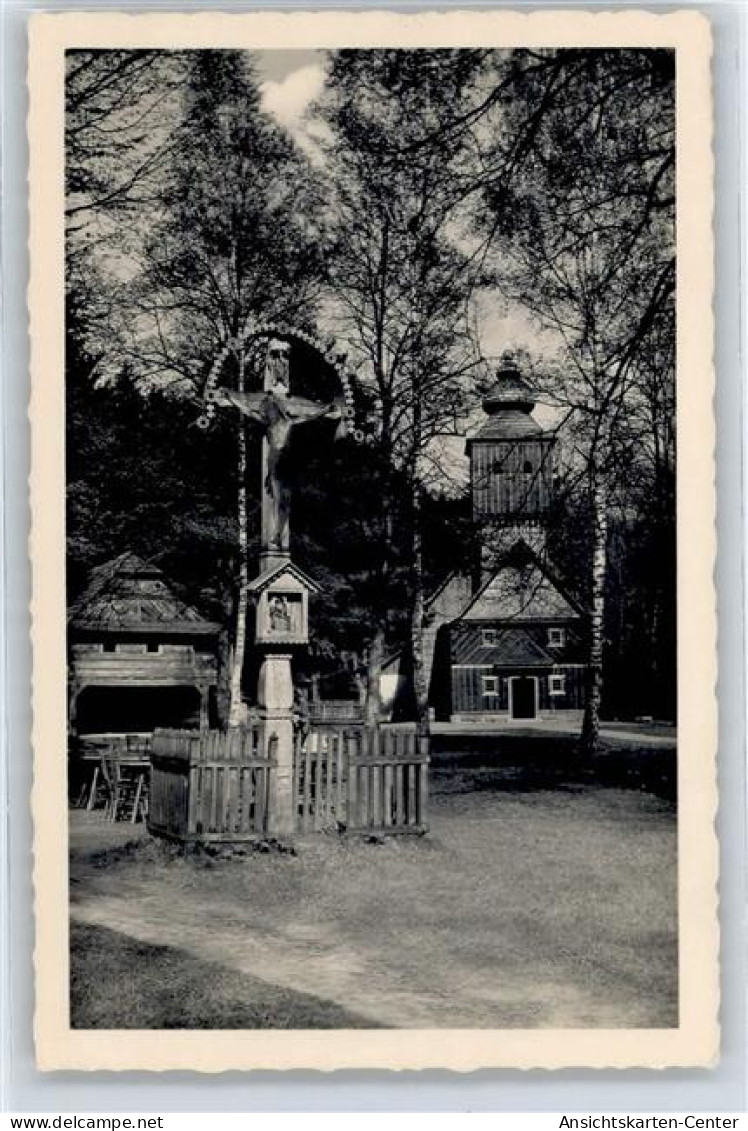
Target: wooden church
x=505 y=644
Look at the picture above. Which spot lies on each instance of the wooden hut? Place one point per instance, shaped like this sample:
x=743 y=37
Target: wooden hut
x=139 y=657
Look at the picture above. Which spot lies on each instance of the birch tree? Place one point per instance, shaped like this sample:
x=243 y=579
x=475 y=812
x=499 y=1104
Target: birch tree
x=583 y=205
x=401 y=278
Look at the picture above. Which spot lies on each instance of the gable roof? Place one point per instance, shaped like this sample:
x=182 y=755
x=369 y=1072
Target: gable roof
x=443 y=605
x=521 y=588
x=128 y=594
x=264 y=579
x=451 y=596
x=514 y=648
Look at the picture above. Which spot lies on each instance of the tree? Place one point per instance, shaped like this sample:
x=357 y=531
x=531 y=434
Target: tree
x=116 y=107
x=137 y=480
x=401 y=277
x=229 y=238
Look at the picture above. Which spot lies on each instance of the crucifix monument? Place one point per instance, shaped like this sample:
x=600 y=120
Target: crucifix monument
x=279 y=414
x=281 y=589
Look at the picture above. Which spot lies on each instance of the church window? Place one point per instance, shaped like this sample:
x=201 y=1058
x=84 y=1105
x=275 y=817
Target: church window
x=488 y=636
x=153 y=647
x=556 y=637
x=109 y=646
x=490 y=685
x=557 y=684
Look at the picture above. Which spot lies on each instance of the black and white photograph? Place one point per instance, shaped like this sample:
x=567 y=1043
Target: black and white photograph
x=374 y=478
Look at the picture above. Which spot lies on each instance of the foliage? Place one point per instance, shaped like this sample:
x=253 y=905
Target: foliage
x=142 y=478
x=231 y=235
x=115 y=141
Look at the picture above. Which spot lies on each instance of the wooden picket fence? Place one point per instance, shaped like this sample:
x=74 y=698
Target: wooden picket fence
x=210 y=785
x=216 y=786
x=360 y=779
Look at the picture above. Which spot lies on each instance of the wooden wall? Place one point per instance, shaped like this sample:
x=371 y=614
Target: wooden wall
x=468 y=697
x=134 y=664
x=501 y=486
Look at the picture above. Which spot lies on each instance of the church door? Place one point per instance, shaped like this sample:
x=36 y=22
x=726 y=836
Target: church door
x=523 y=699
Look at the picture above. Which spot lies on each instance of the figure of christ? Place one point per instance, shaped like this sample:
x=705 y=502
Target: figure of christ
x=278 y=413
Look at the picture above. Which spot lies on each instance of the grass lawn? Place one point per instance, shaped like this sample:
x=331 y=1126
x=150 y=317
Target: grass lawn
x=162 y=987
x=520 y=909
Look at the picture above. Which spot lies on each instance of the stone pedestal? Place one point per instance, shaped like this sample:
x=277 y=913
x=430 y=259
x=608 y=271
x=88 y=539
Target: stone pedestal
x=275 y=700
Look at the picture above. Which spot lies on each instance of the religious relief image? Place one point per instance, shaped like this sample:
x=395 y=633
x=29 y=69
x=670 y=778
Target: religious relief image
x=372 y=350
x=285 y=614
x=280 y=615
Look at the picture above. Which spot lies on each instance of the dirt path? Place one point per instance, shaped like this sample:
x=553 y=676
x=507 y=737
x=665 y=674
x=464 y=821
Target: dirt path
x=315 y=962
x=514 y=913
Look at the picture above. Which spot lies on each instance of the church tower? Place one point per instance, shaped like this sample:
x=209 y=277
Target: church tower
x=511 y=470
x=506 y=644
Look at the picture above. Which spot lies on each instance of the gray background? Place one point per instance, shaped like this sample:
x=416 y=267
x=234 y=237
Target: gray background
x=24 y=1089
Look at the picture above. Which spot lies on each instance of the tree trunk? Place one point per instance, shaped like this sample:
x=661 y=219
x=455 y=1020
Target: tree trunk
x=225 y=666
x=373 y=702
x=420 y=685
x=591 y=724
x=236 y=702
x=377 y=644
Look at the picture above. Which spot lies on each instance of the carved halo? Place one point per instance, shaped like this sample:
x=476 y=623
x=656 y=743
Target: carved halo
x=332 y=354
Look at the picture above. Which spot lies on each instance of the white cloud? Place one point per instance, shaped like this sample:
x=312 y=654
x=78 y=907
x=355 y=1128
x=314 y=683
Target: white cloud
x=289 y=100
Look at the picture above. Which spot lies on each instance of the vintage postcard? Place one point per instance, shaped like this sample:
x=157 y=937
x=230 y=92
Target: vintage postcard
x=373 y=537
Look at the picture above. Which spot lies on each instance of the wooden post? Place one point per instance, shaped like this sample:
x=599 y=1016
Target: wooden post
x=352 y=755
x=275 y=698
x=204 y=708
x=423 y=771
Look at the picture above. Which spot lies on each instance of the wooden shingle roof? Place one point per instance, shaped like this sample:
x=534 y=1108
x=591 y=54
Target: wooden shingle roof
x=522 y=587
x=128 y=594
x=508 y=405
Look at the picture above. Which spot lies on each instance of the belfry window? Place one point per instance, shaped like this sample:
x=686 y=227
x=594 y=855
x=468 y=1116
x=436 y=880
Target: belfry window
x=527 y=467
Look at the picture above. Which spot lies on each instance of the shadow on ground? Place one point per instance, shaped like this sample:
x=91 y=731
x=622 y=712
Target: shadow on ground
x=511 y=763
x=163 y=987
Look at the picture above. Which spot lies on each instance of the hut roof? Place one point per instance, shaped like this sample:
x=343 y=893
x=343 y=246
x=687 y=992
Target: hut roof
x=128 y=594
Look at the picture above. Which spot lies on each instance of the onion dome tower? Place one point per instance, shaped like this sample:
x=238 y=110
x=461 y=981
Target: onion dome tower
x=511 y=469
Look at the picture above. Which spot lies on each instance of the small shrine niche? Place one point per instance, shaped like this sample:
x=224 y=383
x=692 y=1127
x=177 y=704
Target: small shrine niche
x=282 y=605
